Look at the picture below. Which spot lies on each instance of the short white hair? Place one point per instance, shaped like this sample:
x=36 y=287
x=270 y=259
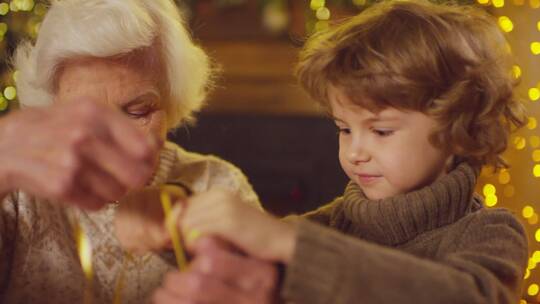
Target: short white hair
x=108 y=28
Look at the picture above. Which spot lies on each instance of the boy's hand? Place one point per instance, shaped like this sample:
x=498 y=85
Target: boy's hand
x=140 y=221
x=220 y=213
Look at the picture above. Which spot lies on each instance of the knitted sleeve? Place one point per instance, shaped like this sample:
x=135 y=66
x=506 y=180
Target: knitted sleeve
x=327 y=215
x=8 y=211
x=484 y=267
x=210 y=171
x=225 y=174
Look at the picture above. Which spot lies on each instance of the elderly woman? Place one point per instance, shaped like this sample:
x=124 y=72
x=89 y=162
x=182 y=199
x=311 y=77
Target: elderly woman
x=100 y=88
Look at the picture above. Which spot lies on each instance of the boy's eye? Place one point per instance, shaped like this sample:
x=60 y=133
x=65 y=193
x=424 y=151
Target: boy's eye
x=344 y=131
x=383 y=133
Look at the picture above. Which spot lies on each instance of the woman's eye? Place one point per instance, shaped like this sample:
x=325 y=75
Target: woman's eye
x=138 y=113
x=383 y=133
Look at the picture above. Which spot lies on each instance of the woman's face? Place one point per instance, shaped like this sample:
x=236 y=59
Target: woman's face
x=126 y=87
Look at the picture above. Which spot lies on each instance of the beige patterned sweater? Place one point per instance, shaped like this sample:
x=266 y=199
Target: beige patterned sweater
x=38 y=256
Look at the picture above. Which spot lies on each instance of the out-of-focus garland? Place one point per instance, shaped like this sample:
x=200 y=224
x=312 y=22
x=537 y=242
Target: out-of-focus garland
x=20 y=19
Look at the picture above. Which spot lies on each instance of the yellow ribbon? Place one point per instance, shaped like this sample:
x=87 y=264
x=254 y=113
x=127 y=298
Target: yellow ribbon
x=170 y=223
x=84 y=251
x=121 y=279
x=84 y=248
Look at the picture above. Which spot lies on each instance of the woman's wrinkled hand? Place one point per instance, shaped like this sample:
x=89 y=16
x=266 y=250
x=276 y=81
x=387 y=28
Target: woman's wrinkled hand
x=218 y=274
x=140 y=219
x=81 y=153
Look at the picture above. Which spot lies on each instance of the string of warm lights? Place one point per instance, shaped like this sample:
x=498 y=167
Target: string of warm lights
x=519 y=186
x=25 y=17
x=500 y=189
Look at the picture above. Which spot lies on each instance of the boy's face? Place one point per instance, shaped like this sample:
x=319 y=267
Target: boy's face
x=387 y=153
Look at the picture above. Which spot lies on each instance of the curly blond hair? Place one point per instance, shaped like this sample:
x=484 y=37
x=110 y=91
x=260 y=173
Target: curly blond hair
x=448 y=61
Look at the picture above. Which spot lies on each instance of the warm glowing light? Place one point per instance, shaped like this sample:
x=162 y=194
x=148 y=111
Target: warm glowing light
x=23 y=5
x=504 y=177
x=536 y=170
x=4 y=8
x=533 y=289
x=520 y=143
x=40 y=9
x=321 y=25
x=3 y=103
x=535 y=47
x=323 y=13
x=3 y=28
x=10 y=93
x=534 y=94
x=532 y=124
x=498 y=3
x=317 y=4
x=489 y=189
x=536 y=155
x=491 y=200
x=13 y=6
x=536 y=256
x=516 y=70
x=506 y=24
x=527 y=212
x=531 y=264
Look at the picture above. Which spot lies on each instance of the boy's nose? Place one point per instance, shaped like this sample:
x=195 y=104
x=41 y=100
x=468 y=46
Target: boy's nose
x=357 y=155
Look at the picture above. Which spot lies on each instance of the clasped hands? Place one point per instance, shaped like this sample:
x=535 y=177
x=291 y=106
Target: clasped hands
x=235 y=247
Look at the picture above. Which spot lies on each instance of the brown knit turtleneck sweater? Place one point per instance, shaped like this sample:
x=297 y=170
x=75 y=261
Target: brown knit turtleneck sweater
x=435 y=245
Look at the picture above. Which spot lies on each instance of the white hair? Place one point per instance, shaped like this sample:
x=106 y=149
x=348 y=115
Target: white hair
x=107 y=28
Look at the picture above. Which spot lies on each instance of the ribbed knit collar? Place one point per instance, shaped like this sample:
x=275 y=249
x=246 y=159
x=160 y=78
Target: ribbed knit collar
x=398 y=219
x=167 y=158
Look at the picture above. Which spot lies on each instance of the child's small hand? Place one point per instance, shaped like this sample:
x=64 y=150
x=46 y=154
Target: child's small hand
x=139 y=220
x=222 y=214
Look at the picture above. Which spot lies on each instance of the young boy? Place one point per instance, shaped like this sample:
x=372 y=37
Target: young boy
x=422 y=97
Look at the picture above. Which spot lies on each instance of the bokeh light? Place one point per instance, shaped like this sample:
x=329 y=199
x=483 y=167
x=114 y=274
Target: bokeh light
x=535 y=48
x=506 y=24
x=528 y=211
x=534 y=94
x=533 y=289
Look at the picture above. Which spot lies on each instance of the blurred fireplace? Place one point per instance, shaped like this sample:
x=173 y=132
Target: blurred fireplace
x=258 y=117
x=291 y=161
